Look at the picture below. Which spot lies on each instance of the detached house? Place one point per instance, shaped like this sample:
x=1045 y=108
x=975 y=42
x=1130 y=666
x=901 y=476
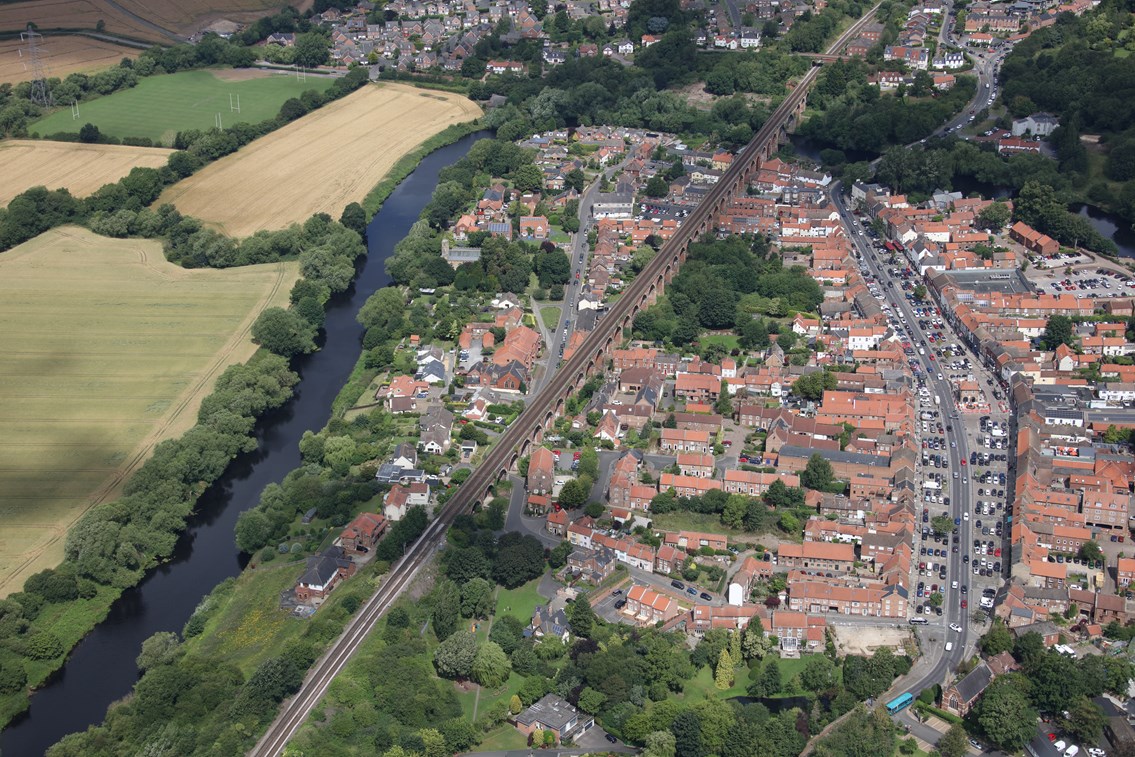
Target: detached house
x=324 y=572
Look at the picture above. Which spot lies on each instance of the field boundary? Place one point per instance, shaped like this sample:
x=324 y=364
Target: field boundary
x=237 y=348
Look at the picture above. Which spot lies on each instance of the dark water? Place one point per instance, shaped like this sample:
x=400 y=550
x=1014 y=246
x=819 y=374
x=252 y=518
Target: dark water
x=101 y=669
x=1111 y=226
x=811 y=150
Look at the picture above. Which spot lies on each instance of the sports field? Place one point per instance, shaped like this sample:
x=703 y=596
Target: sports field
x=320 y=162
x=62 y=55
x=26 y=163
x=105 y=350
x=161 y=106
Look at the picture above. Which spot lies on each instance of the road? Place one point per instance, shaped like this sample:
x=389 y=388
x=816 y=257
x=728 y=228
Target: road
x=500 y=457
x=577 y=252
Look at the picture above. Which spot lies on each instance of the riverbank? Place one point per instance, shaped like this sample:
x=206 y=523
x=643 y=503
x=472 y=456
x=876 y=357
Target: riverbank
x=106 y=638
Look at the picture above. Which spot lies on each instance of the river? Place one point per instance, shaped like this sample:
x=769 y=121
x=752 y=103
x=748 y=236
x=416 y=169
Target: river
x=101 y=668
x=1111 y=226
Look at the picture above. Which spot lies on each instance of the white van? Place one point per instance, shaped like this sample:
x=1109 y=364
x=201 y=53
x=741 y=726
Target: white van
x=949 y=646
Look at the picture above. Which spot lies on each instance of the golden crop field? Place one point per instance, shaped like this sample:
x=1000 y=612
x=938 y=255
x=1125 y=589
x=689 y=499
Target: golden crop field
x=26 y=163
x=318 y=163
x=105 y=350
x=62 y=55
x=186 y=16
x=77 y=14
x=164 y=21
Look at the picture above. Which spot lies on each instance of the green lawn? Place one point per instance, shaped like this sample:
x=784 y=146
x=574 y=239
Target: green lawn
x=728 y=341
x=551 y=316
x=702 y=685
x=520 y=602
x=681 y=520
x=503 y=739
x=489 y=698
x=160 y=106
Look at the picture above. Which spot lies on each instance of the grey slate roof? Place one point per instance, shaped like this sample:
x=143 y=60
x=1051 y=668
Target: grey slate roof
x=975 y=682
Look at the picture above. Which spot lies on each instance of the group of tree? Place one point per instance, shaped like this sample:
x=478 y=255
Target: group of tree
x=780 y=508
x=856 y=116
x=726 y=284
x=1047 y=682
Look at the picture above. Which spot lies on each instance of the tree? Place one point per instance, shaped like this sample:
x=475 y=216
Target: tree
x=575 y=493
x=581 y=617
x=723 y=676
x=519 y=559
x=919 y=292
x=446 y=609
x=994 y=216
x=13 y=677
x=659 y=744
x=515 y=705
x=591 y=700
x=283 y=332
x=819 y=673
x=1005 y=715
x=657 y=186
x=467 y=563
x=89 y=133
x=491 y=667
x=160 y=649
x=686 y=728
x=1091 y=552
x=954 y=742
x=818 y=473
x=767 y=681
x=1086 y=720
x=997 y=639
x=528 y=178
x=477 y=598
x=812 y=386
x=454 y=657
x=589 y=463
x=44 y=646
x=942 y=524
x=276 y=678
x=312 y=49
x=1028 y=647
x=754 y=643
x=1057 y=331
x=354 y=217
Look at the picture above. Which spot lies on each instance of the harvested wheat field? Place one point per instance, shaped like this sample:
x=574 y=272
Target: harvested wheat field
x=62 y=55
x=186 y=16
x=80 y=168
x=79 y=14
x=319 y=163
x=105 y=350
x=162 y=21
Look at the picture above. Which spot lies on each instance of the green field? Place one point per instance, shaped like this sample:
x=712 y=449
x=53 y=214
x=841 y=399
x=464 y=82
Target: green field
x=160 y=106
x=520 y=602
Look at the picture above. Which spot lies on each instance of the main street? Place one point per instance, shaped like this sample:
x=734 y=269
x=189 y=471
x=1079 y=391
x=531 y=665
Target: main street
x=956 y=450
